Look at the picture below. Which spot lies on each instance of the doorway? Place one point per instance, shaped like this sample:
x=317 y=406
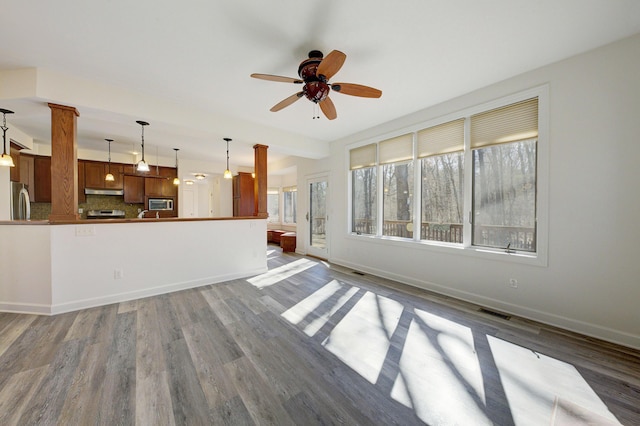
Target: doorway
x=317 y=217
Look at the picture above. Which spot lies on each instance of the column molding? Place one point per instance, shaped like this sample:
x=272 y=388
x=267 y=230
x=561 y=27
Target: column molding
x=260 y=181
x=64 y=163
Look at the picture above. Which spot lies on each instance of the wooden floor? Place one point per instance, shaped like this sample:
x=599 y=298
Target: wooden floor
x=307 y=343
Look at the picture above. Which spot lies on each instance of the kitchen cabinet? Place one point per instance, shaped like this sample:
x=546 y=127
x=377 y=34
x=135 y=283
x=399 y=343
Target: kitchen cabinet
x=81 y=195
x=94 y=173
x=243 y=195
x=133 y=189
x=42 y=179
x=160 y=186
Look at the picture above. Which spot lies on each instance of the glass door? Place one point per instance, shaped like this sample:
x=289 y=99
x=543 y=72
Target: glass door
x=317 y=244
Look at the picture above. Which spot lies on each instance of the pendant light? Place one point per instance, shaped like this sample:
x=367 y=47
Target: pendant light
x=176 y=180
x=227 y=172
x=109 y=177
x=5 y=159
x=142 y=165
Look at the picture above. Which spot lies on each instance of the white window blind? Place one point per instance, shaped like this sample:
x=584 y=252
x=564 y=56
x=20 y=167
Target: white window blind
x=441 y=139
x=397 y=149
x=364 y=156
x=510 y=123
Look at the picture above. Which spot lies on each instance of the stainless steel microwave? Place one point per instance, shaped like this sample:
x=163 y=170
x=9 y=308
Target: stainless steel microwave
x=160 y=204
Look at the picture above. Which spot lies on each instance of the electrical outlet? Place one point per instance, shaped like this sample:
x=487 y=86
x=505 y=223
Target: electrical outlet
x=85 y=230
x=117 y=274
x=513 y=283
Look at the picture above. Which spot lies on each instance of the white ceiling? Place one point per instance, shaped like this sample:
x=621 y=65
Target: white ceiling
x=194 y=58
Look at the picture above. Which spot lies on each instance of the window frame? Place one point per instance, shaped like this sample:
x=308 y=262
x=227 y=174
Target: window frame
x=537 y=258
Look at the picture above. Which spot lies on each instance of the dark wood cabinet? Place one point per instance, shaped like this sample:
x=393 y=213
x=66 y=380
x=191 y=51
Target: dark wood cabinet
x=42 y=179
x=81 y=195
x=95 y=172
x=133 y=189
x=243 y=195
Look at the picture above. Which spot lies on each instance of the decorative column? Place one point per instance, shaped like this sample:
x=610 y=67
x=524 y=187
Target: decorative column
x=64 y=163
x=260 y=182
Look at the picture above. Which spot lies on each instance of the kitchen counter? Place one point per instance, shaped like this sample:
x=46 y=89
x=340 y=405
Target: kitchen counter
x=131 y=220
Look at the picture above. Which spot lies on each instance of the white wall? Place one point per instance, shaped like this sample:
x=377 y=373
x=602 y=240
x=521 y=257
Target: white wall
x=59 y=268
x=592 y=281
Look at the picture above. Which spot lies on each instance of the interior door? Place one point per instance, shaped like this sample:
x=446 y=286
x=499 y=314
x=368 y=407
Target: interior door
x=317 y=229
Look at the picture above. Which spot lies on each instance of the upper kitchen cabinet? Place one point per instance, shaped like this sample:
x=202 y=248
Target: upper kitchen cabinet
x=94 y=173
x=42 y=179
x=81 y=195
x=133 y=189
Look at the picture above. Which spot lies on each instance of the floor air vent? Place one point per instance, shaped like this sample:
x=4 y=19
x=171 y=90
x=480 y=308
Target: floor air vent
x=495 y=314
x=358 y=273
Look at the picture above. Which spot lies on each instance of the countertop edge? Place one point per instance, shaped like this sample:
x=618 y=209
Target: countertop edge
x=107 y=221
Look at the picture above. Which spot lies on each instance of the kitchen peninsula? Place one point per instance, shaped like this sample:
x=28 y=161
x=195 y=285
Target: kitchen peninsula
x=64 y=263
x=56 y=267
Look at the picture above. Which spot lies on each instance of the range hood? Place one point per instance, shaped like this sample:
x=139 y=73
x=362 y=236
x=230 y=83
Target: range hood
x=89 y=191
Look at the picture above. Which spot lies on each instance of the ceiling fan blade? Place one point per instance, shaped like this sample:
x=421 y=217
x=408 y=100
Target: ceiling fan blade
x=356 y=90
x=328 y=108
x=331 y=64
x=286 y=102
x=277 y=78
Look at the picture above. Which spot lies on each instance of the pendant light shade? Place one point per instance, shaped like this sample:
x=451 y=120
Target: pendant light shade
x=5 y=159
x=227 y=173
x=109 y=177
x=142 y=165
x=176 y=180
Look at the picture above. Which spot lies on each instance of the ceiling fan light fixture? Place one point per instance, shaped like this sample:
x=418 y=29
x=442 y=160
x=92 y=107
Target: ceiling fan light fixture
x=227 y=173
x=5 y=159
x=142 y=165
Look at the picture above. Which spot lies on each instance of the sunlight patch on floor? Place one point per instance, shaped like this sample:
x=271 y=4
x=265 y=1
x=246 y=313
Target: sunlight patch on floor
x=281 y=273
x=433 y=367
x=440 y=375
x=533 y=381
x=309 y=307
x=361 y=339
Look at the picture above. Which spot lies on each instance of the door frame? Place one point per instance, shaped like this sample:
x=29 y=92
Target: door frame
x=311 y=250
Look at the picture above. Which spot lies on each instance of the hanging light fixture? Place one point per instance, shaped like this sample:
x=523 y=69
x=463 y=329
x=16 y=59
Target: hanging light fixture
x=5 y=159
x=176 y=180
x=109 y=177
x=142 y=165
x=227 y=172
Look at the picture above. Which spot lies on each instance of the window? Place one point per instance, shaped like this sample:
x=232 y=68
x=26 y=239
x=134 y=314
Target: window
x=364 y=190
x=504 y=143
x=475 y=176
x=397 y=174
x=273 y=205
x=441 y=153
x=290 y=202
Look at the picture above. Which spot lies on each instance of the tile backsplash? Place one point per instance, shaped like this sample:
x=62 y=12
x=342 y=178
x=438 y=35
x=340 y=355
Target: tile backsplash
x=41 y=211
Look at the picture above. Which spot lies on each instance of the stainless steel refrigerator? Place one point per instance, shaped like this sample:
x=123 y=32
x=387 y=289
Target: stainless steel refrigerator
x=20 y=207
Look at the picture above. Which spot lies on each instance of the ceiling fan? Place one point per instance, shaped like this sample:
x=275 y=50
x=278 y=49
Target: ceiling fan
x=315 y=74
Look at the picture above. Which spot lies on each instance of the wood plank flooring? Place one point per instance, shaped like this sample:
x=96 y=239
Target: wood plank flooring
x=307 y=343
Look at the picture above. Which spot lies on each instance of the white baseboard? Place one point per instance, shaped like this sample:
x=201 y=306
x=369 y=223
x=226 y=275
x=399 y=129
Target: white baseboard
x=60 y=308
